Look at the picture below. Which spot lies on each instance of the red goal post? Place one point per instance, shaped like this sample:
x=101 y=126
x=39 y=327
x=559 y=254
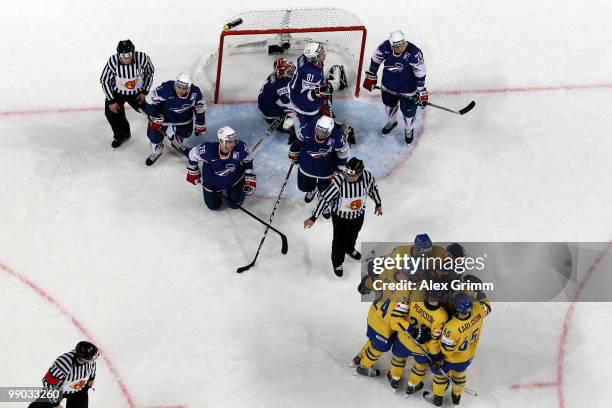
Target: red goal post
x=341 y=32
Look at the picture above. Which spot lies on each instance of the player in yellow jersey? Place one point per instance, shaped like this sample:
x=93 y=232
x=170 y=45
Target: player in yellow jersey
x=458 y=344
x=387 y=305
x=418 y=335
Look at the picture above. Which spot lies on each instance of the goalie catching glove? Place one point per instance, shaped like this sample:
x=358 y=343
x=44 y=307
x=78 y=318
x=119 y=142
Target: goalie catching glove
x=250 y=183
x=370 y=81
x=193 y=174
x=156 y=122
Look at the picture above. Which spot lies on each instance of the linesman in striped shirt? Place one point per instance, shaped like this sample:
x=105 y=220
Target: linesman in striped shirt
x=127 y=77
x=71 y=376
x=346 y=198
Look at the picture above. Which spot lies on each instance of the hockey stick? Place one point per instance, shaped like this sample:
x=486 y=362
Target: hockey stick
x=273 y=126
x=247 y=267
x=413 y=98
x=284 y=245
x=426 y=354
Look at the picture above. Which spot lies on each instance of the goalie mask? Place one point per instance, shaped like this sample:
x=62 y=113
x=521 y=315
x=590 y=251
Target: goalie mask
x=283 y=68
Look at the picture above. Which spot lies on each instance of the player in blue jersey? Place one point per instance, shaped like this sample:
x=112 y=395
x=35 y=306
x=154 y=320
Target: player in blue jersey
x=403 y=73
x=308 y=86
x=171 y=108
x=273 y=100
x=227 y=168
x=320 y=151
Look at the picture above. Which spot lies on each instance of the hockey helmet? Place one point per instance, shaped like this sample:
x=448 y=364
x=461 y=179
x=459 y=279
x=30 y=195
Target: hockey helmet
x=183 y=80
x=314 y=50
x=463 y=303
x=324 y=127
x=227 y=134
x=397 y=38
x=354 y=167
x=125 y=46
x=283 y=68
x=422 y=244
x=86 y=350
x=455 y=250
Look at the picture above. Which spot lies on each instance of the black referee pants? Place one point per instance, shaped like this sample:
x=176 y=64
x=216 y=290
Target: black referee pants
x=345 y=236
x=118 y=121
x=76 y=400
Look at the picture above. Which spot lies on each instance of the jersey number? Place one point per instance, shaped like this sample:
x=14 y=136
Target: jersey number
x=384 y=307
x=467 y=341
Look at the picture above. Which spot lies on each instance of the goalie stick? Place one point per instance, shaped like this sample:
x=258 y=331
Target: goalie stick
x=247 y=267
x=413 y=98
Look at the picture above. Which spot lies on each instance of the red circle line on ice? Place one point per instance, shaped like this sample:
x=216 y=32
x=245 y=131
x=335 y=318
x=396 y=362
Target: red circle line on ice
x=82 y=330
x=560 y=370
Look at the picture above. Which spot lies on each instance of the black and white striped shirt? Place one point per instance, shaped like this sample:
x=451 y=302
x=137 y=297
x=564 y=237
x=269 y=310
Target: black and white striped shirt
x=68 y=377
x=346 y=199
x=127 y=79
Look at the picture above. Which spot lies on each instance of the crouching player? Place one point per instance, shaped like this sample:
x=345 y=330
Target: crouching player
x=227 y=167
x=459 y=342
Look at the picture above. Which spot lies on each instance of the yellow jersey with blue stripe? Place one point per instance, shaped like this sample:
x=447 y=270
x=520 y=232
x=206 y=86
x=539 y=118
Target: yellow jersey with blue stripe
x=460 y=336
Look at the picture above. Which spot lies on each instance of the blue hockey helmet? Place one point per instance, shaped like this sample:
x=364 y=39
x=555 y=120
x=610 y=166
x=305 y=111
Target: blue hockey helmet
x=463 y=303
x=422 y=244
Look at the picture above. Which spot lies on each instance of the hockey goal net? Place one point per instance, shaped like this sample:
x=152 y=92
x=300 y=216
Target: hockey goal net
x=253 y=39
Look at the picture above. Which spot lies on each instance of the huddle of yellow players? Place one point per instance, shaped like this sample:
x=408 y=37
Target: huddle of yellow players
x=438 y=328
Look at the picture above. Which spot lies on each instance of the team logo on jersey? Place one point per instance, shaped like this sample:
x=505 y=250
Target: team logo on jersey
x=235 y=155
x=78 y=385
x=398 y=67
x=130 y=84
x=229 y=168
x=317 y=154
x=182 y=109
x=355 y=204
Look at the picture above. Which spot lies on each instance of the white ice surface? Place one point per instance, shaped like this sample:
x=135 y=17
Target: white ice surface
x=131 y=252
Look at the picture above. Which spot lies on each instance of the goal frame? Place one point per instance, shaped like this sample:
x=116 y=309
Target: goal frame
x=226 y=33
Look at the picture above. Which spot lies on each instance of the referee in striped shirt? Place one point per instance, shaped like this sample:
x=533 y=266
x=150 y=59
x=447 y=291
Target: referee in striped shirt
x=346 y=197
x=127 y=77
x=71 y=376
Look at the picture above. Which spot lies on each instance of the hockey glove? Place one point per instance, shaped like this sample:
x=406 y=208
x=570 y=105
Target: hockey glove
x=156 y=122
x=250 y=183
x=199 y=129
x=294 y=156
x=370 y=81
x=193 y=174
x=436 y=362
x=423 y=97
x=362 y=288
x=421 y=334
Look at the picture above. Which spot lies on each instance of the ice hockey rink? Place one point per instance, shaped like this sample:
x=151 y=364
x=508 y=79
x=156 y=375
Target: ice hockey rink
x=94 y=244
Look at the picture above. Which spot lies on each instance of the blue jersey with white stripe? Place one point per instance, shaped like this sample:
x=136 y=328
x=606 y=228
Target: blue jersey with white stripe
x=273 y=97
x=404 y=73
x=219 y=172
x=307 y=76
x=176 y=110
x=321 y=158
